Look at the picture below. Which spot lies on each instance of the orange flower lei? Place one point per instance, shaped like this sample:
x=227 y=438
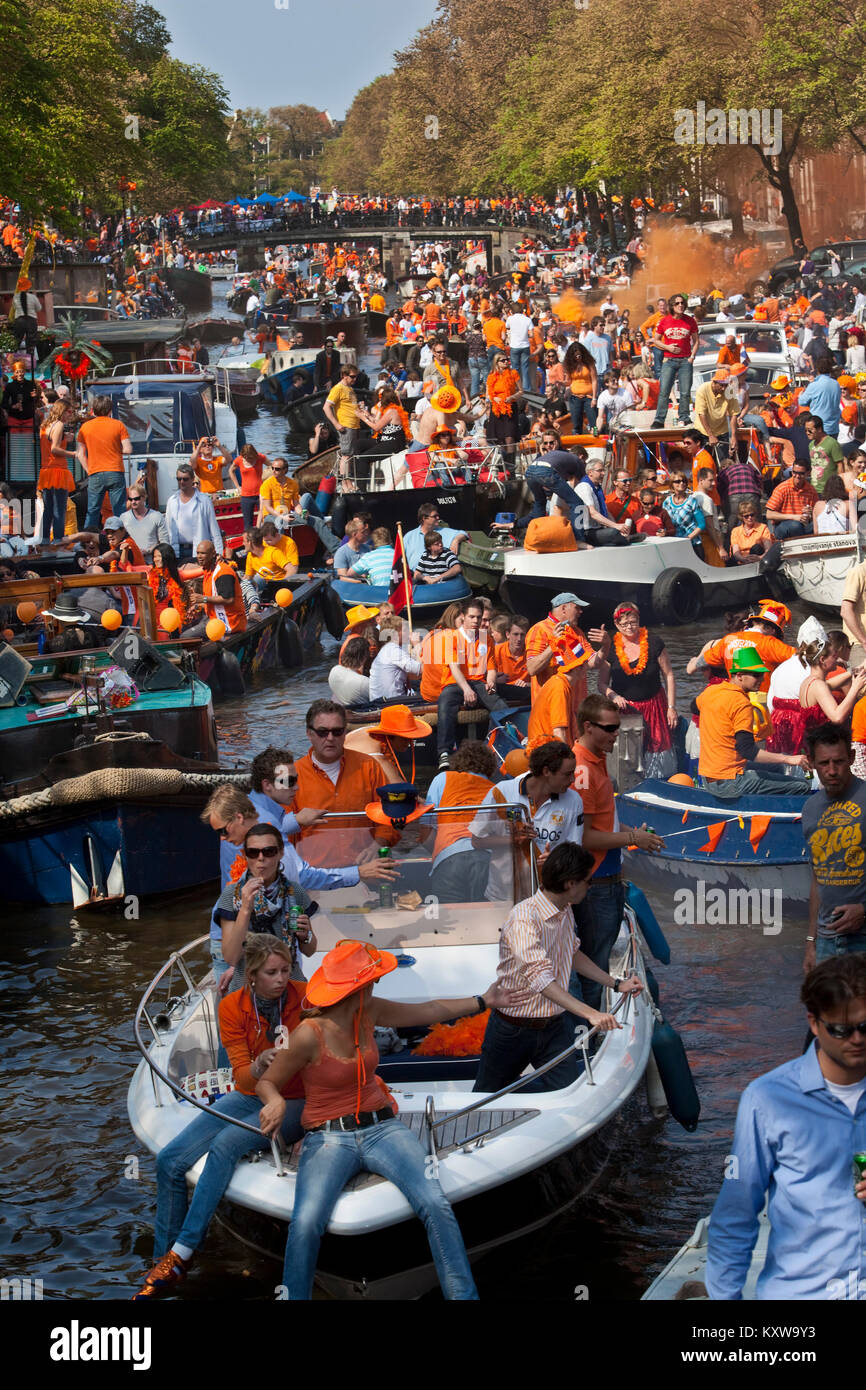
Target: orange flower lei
x=174 y=590
x=643 y=654
x=238 y=869
x=500 y=385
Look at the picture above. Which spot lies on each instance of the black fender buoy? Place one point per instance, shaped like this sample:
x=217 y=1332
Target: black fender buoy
x=648 y=923
x=339 y=516
x=229 y=673
x=676 y=1075
x=771 y=559
x=332 y=609
x=652 y=985
x=677 y=597
x=290 y=648
x=780 y=585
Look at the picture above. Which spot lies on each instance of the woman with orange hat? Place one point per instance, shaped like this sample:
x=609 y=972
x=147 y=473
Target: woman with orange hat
x=350 y=1115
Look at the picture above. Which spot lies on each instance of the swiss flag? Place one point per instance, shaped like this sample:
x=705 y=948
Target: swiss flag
x=400 y=591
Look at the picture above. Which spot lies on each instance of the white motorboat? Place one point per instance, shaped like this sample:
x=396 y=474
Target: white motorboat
x=683 y=1278
x=818 y=566
x=507 y=1161
x=663 y=575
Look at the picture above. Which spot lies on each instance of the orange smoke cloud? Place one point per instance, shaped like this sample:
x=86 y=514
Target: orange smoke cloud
x=678 y=259
x=569 y=307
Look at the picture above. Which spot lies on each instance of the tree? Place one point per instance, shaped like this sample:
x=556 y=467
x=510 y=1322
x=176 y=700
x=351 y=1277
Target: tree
x=351 y=161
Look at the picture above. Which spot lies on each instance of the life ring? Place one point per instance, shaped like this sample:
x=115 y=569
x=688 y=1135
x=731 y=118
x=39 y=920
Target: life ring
x=677 y=597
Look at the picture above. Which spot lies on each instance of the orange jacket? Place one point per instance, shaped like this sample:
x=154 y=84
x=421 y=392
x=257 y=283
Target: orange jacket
x=244 y=1035
x=231 y=611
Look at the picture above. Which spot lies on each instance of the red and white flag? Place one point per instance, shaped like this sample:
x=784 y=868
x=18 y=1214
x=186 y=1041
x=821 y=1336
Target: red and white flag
x=400 y=591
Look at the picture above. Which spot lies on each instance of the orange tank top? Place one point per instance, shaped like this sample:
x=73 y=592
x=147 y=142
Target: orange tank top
x=337 y=1086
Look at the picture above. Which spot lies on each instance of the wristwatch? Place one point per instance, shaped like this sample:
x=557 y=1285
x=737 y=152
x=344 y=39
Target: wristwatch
x=617 y=981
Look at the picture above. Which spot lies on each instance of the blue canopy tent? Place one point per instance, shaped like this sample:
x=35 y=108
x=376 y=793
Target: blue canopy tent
x=265 y=200
x=241 y=202
x=293 y=197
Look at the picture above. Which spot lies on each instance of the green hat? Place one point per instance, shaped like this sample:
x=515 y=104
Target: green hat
x=747 y=659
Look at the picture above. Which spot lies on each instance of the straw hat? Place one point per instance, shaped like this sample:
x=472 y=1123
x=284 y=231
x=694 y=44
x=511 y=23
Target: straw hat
x=358 y=615
x=352 y=965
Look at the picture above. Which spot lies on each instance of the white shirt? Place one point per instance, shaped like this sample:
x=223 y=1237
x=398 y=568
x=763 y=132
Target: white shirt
x=786 y=680
x=331 y=770
x=348 y=686
x=253 y=303
x=390 y=672
x=559 y=818
x=849 y=1095
x=519 y=326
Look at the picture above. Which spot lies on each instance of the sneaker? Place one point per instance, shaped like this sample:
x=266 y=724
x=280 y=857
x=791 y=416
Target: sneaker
x=167 y=1272
x=444 y=762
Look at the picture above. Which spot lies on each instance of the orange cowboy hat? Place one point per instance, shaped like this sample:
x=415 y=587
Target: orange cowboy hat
x=721 y=374
x=350 y=966
x=398 y=721
x=738 y=369
x=780 y=382
x=397 y=805
x=358 y=615
x=447 y=399
x=574 y=661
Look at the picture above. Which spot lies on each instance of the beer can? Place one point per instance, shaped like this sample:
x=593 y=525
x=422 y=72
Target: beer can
x=858 y=1167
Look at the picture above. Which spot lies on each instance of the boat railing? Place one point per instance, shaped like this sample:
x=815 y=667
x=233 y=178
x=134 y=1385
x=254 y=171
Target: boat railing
x=390 y=472
x=158 y=1022
x=144 y=366
x=582 y=1039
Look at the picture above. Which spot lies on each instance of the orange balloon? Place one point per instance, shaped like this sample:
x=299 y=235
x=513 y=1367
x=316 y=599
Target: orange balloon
x=682 y=779
x=169 y=620
x=26 y=611
x=215 y=629
x=111 y=619
x=7 y=634
x=283 y=597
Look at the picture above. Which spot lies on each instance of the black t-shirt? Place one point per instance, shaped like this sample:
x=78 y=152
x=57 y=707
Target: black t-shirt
x=23 y=394
x=648 y=683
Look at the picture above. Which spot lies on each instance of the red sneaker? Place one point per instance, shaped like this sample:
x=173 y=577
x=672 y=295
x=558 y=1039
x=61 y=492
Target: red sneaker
x=167 y=1272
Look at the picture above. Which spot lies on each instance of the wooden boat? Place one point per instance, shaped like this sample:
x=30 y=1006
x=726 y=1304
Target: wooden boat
x=757 y=850
x=307 y=318
x=508 y=1162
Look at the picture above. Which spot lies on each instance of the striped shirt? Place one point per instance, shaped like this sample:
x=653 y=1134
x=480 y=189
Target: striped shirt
x=536 y=949
x=432 y=566
x=376 y=565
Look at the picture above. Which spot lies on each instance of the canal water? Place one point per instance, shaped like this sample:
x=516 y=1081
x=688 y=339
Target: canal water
x=78 y=1191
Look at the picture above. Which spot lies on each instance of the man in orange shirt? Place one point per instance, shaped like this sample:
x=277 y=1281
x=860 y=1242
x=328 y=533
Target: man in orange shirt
x=600 y=915
x=493 y=329
x=509 y=658
x=102 y=444
x=554 y=712
x=763 y=632
x=620 y=503
x=466 y=655
x=728 y=741
x=556 y=637
x=333 y=778
x=220 y=595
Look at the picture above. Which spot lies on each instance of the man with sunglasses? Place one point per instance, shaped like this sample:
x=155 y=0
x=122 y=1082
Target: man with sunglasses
x=833 y=828
x=142 y=523
x=676 y=334
x=798 y=1129
x=789 y=506
x=600 y=914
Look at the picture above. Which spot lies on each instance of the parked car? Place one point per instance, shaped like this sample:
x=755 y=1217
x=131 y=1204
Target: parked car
x=766 y=344
x=785 y=272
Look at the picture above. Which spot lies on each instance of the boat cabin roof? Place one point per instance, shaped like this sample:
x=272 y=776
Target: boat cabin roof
x=163 y=412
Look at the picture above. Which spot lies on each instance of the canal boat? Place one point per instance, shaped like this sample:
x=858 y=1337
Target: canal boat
x=508 y=1161
x=818 y=566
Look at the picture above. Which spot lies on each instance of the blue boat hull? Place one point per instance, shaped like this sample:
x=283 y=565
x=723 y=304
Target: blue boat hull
x=424 y=605
x=778 y=861
x=137 y=849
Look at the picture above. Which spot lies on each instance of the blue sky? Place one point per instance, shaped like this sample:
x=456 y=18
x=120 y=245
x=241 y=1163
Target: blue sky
x=316 y=51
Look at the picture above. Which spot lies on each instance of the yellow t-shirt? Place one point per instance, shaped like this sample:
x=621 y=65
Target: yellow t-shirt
x=345 y=404
x=280 y=497
x=287 y=549
x=718 y=411
x=269 y=565
x=377 y=303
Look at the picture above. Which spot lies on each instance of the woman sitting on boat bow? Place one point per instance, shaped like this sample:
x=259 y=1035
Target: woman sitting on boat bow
x=254 y=1023
x=350 y=1115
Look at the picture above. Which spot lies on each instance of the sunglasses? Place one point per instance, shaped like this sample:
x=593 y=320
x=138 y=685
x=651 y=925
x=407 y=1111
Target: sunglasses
x=844 y=1030
x=608 y=728
x=281 y=470
x=262 y=853
x=328 y=732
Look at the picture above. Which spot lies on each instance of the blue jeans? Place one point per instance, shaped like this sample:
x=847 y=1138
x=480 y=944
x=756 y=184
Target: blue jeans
x=492 y=352
x=598 y=920
x=542 y=480
x=583 y=414
x=98 y=484
x=782 y=530
x=839 y=944
x=679 y=370
x=224 y=1145
x=449 y=706
x=658 y=358
x=755 y=422
x=509 y=1048
x=329 y=1159
x=477 y=374
x=520 y=363
x=53 y=513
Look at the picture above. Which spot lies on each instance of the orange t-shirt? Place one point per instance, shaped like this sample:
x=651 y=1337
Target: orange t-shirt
x=725 y=710
x=555 y=708
x=704 y=460
x=596 y=789
x=210 y=473
x=858 y=722
x=341 y=842
x=541 y=636
x=546 y=535
x=494 y=332
x=771 y=651
x=514 y=667
x=744 y=542
x=461 y=789
x=103 y=437
x=473 y=659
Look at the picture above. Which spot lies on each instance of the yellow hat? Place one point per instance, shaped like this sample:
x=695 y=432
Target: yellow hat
x=358 y=615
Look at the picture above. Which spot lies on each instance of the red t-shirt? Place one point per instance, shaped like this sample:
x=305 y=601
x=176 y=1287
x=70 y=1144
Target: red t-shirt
x=251 y=475
x=676 y=332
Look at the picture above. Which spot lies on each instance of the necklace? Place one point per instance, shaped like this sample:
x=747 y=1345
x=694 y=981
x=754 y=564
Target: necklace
x=642 y=657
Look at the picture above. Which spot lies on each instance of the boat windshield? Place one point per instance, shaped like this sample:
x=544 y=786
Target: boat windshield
x=150 y=421
x=460 y=873
x=765 y=337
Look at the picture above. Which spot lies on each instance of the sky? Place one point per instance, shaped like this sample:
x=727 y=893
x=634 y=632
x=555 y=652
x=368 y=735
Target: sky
x=287 y=52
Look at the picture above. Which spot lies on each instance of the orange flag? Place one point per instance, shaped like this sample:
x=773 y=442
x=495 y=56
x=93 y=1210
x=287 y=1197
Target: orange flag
x=715 y=833
x=757 y=830
x=685 y=817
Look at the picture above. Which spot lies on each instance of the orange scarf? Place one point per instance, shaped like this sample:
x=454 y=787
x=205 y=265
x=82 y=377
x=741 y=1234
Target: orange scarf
x=501 y=385
x=176 y=599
